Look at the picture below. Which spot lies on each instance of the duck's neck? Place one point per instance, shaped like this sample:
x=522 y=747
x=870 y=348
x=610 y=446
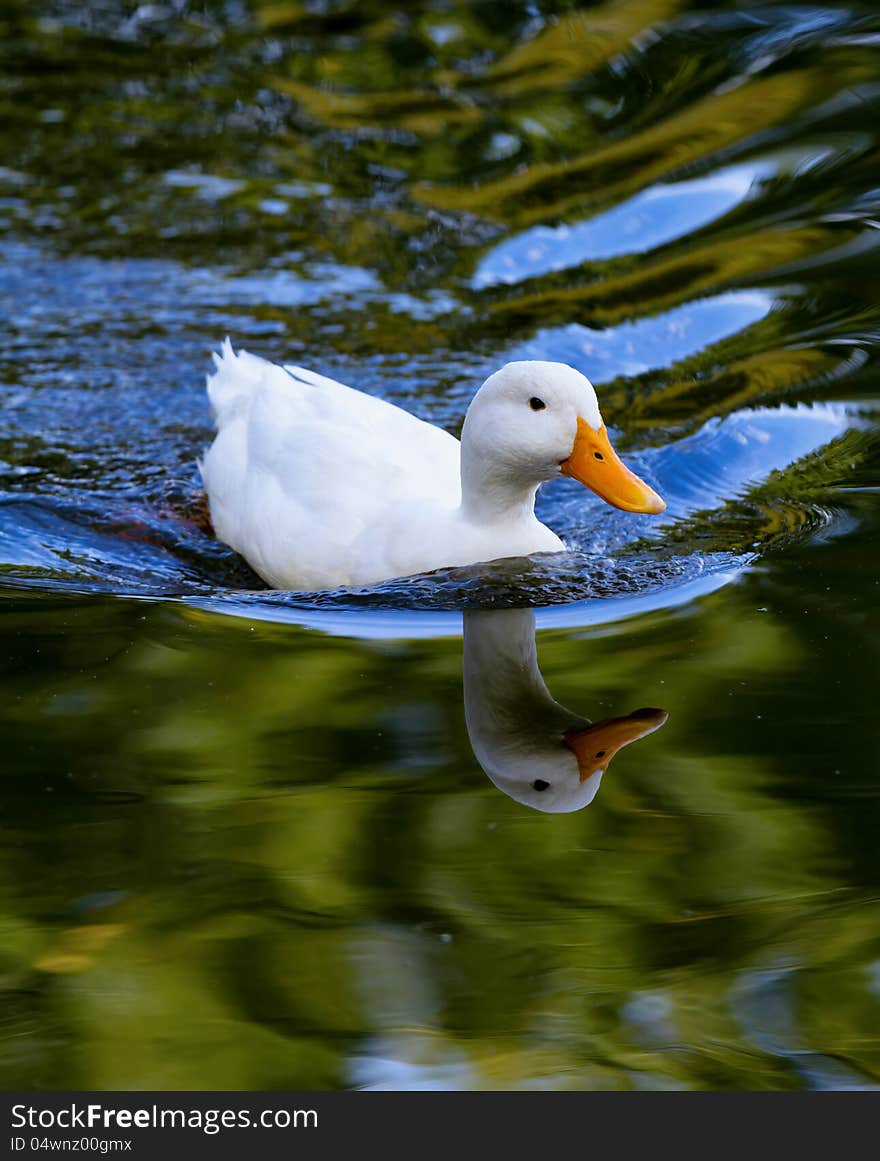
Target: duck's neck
x=493 y=493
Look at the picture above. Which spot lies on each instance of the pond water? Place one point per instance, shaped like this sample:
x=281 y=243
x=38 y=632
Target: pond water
x=290 y=840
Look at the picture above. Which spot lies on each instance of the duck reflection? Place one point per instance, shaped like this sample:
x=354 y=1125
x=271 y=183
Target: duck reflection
x=534 y=749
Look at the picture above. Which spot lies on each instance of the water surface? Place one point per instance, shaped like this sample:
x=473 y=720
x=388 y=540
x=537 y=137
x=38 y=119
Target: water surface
x=257 y=839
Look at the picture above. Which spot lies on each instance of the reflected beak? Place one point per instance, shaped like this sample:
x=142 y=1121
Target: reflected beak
x=595 y=463
x=595 y=746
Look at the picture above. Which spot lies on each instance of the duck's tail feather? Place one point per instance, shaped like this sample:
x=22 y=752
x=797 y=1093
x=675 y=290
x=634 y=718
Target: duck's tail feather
x=234 y=379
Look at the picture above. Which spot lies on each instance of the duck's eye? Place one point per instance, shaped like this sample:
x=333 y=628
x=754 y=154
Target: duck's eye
x=598 y=455
x=539 y=783
x=601 y=754
x=537 y=404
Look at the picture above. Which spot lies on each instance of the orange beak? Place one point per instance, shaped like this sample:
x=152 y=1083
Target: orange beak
x=595 y=746
x=595 y=463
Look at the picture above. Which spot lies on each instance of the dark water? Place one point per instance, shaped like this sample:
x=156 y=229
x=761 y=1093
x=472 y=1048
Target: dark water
x=248 y=838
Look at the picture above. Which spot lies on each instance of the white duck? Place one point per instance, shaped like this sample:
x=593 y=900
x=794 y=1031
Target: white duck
x=534 y=749
x=318 y=485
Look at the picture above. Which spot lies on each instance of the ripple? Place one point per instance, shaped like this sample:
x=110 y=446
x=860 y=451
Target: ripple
x=631 y=348
x=687 y=158
x=104 y=544
x=650 y=219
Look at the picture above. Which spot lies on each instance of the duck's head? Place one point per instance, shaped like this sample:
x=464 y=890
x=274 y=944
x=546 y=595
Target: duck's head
x=533 y=421
x=557 y=776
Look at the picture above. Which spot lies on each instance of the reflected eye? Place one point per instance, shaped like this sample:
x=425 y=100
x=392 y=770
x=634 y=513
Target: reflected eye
x=537 y=404
x=540 y=784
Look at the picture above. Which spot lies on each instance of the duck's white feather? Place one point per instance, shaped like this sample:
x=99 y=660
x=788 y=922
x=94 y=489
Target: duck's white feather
x=319 y=485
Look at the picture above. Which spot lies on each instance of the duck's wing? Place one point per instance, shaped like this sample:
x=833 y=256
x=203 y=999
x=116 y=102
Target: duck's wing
x=304 y=470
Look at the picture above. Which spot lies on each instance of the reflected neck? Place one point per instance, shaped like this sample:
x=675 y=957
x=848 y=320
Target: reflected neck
x=507 y=703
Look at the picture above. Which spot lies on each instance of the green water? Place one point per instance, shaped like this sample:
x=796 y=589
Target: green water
x=250 y=840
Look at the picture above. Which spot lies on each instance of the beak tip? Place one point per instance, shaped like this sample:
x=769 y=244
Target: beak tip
x=649 y=504
x=651 y=713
